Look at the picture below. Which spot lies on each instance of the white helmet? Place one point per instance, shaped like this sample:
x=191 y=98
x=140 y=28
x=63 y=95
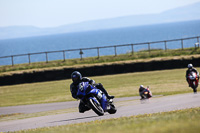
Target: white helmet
x=141 y=86
x=190 y=66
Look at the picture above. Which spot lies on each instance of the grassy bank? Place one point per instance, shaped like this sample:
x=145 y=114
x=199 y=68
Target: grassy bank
x=103 y=59
x=184 y=121
x=165 y=82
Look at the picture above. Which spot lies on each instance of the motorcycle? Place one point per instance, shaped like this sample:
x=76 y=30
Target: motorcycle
x=95 y=99
x=193 y=81
x=146 y=94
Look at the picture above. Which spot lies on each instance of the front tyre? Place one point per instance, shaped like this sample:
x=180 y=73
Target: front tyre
x=96 y=107
x=195 y=89
x=194 y=86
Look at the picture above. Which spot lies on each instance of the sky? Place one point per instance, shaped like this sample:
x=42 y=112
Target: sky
x=53 y=13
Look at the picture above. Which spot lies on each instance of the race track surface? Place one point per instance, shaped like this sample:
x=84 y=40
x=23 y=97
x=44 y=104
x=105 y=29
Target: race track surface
x=125 y=107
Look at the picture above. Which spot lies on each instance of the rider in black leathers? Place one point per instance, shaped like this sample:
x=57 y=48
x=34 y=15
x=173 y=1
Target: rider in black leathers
x=191 y=69
x=77 y=78
x=142 y=89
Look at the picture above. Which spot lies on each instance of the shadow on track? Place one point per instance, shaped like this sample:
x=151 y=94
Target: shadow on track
x=74 y=119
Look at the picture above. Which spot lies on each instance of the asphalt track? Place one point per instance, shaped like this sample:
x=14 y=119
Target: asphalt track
x=125 y=107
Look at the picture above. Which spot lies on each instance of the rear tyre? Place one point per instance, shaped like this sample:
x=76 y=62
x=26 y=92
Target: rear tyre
x=112 y=109
x=96 y=107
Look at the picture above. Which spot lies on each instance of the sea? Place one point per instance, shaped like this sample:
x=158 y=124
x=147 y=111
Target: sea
x=98 y=38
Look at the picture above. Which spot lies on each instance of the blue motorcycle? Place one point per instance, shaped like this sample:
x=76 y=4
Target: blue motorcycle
x=95 y=99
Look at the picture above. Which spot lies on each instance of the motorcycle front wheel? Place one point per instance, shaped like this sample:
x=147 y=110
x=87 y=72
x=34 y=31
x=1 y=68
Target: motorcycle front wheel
x=96 y=107
x=194 y=87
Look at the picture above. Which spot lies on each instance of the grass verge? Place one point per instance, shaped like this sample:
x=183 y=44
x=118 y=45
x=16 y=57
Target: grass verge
x=184 y=121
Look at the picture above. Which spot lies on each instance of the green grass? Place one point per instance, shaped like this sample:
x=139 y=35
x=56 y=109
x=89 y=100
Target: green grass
x=183 y=121
x=103 y=59
x=166 y=82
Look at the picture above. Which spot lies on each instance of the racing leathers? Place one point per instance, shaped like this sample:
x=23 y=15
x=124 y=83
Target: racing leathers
x=189 y=71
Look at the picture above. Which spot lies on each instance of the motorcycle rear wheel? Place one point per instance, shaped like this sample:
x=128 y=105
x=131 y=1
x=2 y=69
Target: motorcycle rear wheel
x=112 y=109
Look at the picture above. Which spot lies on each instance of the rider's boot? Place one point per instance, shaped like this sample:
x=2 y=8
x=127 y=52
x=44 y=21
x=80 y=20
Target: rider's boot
x=110 y=97
x=100 y=86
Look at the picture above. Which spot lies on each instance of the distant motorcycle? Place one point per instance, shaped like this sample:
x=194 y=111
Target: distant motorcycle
x=95 y=99
x=193 y=81
x=146 y=94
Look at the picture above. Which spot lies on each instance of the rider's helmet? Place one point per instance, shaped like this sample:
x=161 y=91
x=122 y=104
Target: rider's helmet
x=190 y=66
x=141 y=86
x=76 y=77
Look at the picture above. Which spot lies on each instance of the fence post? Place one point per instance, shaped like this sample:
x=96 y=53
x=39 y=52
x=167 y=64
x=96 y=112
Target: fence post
x=132 y=49
x=98 y=52
x=81 y=53
x=63 y=55
x=165 y=46
x=29 y=59
x=198 y=41
x=12 y=60
x=149 y=48
x=46 y=57
x=182 y=43
x=115 y=50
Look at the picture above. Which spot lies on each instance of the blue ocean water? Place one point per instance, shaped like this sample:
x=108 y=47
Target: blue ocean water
x=128 y=35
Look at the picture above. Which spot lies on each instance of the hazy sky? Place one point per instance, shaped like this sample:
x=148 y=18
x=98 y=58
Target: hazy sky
x=52 y=13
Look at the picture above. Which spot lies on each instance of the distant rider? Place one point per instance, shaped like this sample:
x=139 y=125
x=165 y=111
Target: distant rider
x=77 y=78
x=189 y=70
x=142 y=89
